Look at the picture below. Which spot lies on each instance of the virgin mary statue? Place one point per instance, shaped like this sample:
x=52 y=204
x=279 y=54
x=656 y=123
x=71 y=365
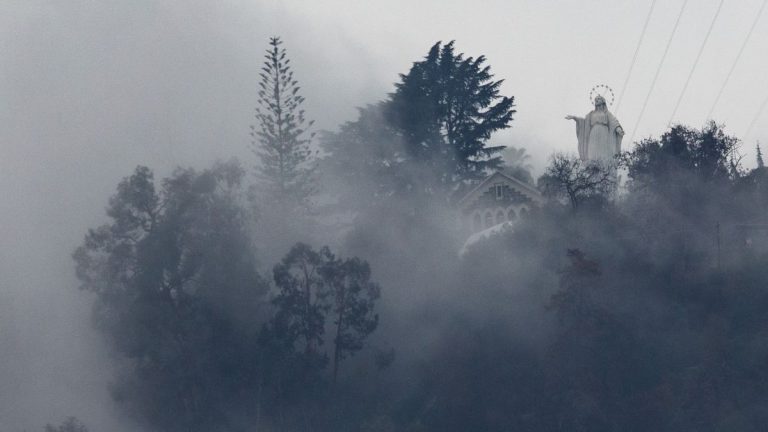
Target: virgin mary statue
x=599 y=133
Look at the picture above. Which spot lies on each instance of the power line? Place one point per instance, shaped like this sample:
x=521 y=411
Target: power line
x=695 y=63
x=736 y=60
x=757 y=116
x=658 y=69
x=634 y=57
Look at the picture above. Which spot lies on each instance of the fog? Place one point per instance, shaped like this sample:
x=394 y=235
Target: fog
x=90 y=90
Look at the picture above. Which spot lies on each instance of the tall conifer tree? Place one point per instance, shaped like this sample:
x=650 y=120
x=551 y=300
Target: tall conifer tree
x=281 y=136
x=447 y=106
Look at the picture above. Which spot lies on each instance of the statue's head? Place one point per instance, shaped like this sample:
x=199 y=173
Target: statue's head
x=600 y=103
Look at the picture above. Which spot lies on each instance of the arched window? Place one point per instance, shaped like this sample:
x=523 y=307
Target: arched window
x=477 y=222
x=499 y=217
x=523 y=212
x=488 y=220
x=511 y=215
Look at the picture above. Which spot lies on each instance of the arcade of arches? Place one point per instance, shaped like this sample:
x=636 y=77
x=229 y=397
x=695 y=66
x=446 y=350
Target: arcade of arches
x=497 y=199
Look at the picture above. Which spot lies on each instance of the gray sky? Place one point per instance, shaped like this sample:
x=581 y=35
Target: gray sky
x=90 y=89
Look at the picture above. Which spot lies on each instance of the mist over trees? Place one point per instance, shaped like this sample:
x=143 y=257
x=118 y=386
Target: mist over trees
x=446 y=108
x=281 y=139
x=578 y=181
x=176 y=293
x=600 y=311
x=71 y=424
x=428 y=140
x=285 y=167
x=517 y=162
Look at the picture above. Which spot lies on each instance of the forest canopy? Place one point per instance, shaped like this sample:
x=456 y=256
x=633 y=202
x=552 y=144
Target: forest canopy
x=325 y=292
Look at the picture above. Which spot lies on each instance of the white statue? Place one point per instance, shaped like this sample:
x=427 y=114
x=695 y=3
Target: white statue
x=599 y=133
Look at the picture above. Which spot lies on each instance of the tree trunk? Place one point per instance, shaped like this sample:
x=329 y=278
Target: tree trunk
x=337 y=342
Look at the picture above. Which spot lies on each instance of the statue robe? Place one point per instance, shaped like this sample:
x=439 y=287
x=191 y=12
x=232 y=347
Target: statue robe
x=592 y=143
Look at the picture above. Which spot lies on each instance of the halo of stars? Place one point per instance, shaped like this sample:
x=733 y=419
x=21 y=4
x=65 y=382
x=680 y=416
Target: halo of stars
x=601 y=90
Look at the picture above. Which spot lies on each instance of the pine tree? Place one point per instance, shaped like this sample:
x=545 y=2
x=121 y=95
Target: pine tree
x=447 y=107
x=760 y=163
x=281 y=137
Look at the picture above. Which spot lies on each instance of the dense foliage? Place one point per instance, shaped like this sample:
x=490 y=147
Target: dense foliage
x=446 y=108
x=601 y=311
x=429 y=139
x=179 y=297
x=659 y=309
x=177 y=288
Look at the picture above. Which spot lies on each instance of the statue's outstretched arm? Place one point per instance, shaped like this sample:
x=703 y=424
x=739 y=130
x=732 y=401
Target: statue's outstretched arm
x=571 y=117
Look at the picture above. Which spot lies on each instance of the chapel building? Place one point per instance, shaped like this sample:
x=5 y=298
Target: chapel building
x=498 y=199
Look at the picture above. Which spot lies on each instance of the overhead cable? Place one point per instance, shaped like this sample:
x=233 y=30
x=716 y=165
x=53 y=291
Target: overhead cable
x=658 y=69
x=756 y=117
x=695 y=62
x=634 y=57
x=736 y=60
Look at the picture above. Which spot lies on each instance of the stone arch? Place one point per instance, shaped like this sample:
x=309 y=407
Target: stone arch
x=488 y=219
x=511 y=214
x=477 y=222
x=500 y=216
